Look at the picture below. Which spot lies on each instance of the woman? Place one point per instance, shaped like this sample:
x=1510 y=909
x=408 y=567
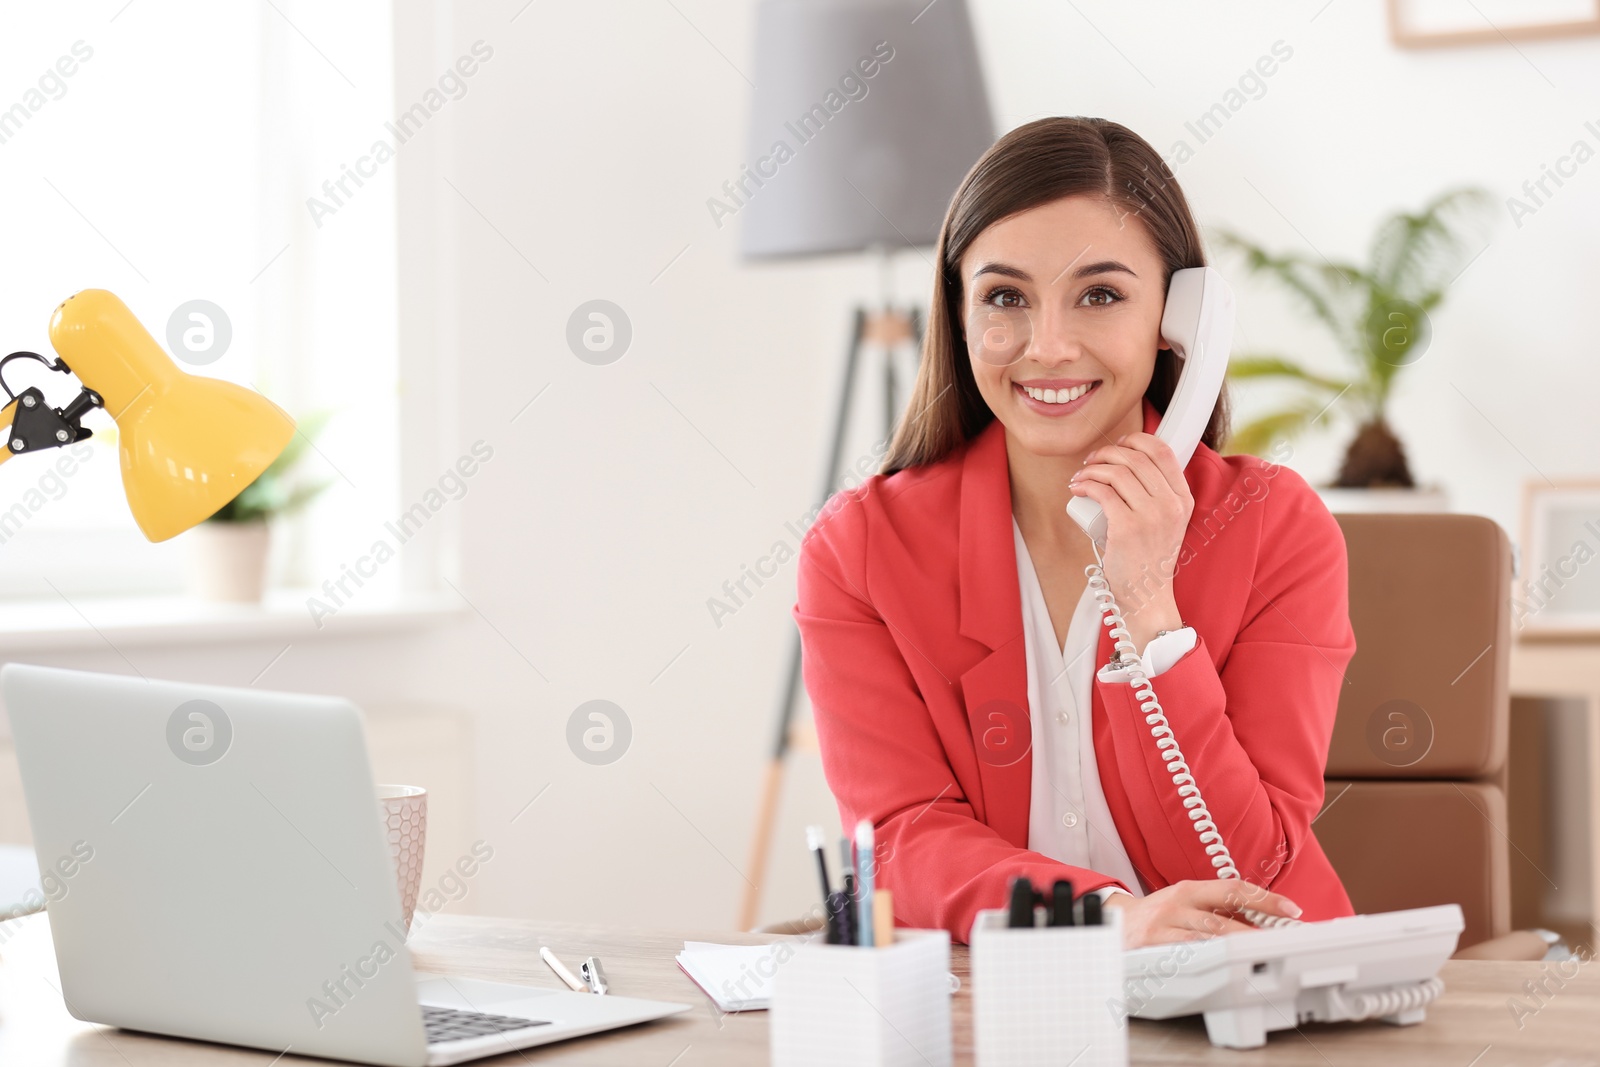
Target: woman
x=950 y=642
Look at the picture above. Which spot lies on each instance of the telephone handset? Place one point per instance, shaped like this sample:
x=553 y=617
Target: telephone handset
x=1198 y=324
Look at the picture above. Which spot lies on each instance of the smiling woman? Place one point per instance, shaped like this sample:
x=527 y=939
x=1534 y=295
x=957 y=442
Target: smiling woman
x=950 y=639
x=1116 y=201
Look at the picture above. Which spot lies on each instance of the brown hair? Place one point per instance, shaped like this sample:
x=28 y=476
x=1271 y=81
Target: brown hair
x=1032 y=165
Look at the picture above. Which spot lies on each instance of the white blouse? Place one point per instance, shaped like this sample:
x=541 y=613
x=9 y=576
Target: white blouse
x=1068 y=819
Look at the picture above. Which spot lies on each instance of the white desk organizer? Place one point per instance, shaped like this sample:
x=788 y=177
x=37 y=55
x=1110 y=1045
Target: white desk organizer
x=845 y=1006
x=1046 y=996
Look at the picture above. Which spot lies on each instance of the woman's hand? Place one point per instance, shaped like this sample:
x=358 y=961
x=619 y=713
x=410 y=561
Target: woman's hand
x=1194 y=909
x=1139 y=485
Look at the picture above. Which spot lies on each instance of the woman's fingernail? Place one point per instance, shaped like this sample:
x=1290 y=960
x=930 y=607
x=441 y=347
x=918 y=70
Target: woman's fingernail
x=1292 y=908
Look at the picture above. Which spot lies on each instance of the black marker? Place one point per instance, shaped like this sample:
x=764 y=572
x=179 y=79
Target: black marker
x=1061 y=903
x=1091 y=909
x=838 y=907
x=1022 y=897
x=847 y=918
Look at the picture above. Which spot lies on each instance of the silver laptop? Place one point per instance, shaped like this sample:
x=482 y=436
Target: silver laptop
x=226 y=878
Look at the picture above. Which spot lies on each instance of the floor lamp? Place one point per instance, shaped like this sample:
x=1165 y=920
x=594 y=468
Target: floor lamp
x=866 y=116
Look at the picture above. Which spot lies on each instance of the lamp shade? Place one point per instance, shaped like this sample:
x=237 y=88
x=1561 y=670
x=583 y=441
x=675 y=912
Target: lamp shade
x=188 y=444
x=866 y=116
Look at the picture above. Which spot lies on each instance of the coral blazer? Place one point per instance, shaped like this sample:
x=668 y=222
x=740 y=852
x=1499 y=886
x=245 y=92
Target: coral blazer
x=910 y=618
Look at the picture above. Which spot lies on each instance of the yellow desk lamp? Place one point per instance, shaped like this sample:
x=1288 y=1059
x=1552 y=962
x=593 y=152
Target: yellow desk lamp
x=188 y=444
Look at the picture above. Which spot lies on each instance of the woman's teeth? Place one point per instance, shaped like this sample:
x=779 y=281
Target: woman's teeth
x=1058 y=396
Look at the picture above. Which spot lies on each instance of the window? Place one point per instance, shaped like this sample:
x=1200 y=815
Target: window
x=175 y=152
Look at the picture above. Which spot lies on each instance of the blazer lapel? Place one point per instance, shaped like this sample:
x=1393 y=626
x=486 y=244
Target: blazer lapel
x=995 y=689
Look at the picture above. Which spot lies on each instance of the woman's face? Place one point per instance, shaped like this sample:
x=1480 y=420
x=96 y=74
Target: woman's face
x=1062 y=305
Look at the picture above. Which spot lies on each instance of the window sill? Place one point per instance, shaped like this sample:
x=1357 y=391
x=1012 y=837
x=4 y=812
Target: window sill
x=52 y=625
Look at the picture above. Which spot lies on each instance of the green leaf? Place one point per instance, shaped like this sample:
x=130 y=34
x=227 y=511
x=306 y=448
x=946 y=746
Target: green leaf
x=1257 y=437
x=1330 y=291
x=1244 y=368
x=1415 y=257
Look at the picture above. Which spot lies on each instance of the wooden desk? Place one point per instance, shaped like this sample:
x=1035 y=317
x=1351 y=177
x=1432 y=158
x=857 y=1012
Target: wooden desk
x=1469 y=1025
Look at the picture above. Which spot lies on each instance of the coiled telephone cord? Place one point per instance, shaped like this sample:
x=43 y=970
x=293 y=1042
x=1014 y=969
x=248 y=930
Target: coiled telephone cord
x=1166 y=741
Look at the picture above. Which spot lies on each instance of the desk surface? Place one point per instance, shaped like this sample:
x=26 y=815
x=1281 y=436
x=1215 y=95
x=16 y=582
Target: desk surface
x=1471 y=1025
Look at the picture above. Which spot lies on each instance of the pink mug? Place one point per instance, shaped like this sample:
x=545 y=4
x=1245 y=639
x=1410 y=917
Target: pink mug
x=405 y=823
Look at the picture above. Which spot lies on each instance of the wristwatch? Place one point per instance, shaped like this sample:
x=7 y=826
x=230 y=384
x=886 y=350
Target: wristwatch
x=1114 y=660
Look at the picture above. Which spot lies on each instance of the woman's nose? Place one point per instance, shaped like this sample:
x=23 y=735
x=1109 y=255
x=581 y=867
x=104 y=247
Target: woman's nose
x=1053 y=341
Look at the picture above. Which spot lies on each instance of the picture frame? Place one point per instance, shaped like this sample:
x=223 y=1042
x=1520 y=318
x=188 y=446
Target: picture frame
x=1444 y=23
x=1557 y=591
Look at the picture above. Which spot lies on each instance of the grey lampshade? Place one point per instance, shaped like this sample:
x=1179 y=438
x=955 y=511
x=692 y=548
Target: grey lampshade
x=863 y=160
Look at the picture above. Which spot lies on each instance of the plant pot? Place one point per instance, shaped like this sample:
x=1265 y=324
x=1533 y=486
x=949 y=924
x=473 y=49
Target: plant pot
x=227 y=561
x=1345 y=501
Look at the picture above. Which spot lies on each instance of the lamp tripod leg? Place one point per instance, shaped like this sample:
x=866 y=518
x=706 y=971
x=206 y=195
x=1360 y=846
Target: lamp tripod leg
x=767 y=811
x=888 y=330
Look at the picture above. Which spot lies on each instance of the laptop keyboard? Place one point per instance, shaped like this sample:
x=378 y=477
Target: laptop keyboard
x=448 y=1024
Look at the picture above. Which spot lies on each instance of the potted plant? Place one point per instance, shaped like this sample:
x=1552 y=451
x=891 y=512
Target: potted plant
x=1379 y=315
x=228 y=552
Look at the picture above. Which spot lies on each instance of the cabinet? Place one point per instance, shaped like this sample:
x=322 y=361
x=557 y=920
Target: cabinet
x=1553 y=795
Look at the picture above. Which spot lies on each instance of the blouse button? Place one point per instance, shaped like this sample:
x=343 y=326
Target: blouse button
x=1069 y=820
x=1063 y=718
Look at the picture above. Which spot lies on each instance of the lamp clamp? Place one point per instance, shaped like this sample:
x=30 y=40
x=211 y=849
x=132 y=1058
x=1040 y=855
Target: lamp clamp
x=35 y=425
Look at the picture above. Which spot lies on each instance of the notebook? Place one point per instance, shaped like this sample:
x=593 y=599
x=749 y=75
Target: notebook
x=735 y=977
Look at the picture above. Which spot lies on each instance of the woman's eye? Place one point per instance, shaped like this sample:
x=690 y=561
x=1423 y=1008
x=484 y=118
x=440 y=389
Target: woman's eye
x=1100 y=296
x=1006 y=298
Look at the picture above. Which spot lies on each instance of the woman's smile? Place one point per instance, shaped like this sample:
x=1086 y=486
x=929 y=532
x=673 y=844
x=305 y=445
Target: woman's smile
x=1054 y=397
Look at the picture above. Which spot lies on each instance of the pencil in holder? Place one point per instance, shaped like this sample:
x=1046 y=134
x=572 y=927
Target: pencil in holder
x=849 y=1006
x=1047 y=995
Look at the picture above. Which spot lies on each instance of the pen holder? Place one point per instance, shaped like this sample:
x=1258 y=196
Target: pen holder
x=1047 y=995
x=846 y=1006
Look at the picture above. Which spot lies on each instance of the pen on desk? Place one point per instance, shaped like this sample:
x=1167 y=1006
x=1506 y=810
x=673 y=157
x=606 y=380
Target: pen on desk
x=866 y=875
x=561 y=970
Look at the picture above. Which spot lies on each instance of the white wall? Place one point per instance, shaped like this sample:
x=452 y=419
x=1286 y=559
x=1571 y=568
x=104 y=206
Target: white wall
x=627 y=494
